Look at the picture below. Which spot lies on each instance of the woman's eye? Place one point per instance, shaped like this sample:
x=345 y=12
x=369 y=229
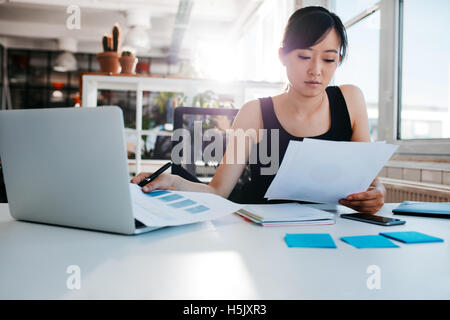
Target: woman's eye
x=303 y=57
x=329 y=60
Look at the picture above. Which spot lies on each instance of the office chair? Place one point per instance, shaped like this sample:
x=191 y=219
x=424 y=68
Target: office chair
x=212 y=118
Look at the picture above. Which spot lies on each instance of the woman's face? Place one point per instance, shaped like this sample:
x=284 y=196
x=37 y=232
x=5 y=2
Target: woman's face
x=310 y=70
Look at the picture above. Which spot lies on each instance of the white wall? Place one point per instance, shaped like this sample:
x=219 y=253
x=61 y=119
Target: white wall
x=307 y=3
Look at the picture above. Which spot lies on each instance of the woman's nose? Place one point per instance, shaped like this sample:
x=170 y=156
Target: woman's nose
x=314 y=69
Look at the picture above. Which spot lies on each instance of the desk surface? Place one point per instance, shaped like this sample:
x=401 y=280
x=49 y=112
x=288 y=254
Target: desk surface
x=228 y=258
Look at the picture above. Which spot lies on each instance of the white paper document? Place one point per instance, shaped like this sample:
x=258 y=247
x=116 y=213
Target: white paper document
x=325 y=171
x=171 y=208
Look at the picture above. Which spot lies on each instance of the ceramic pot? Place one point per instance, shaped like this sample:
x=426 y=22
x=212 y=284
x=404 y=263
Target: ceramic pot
x=128 y=64
x=108 y=61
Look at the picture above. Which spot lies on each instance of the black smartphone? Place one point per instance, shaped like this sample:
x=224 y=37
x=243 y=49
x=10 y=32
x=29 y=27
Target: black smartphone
x=370 y=218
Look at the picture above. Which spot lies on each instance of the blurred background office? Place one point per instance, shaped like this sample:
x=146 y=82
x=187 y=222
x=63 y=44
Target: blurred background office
x=398 y=55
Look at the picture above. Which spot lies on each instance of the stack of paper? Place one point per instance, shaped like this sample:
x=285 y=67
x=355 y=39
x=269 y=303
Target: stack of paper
x=326 y=171
x=285 y=214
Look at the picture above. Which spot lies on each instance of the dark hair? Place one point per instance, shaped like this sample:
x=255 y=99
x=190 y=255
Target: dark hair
x=308 y=26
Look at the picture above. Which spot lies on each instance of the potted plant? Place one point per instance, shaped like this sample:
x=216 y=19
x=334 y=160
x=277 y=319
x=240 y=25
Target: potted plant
x=128 y=62
x=109 y=58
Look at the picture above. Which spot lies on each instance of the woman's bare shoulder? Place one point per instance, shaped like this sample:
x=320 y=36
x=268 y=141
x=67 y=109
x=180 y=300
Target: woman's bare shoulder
x=351 y=93
x=249 y=116
x=356 y=104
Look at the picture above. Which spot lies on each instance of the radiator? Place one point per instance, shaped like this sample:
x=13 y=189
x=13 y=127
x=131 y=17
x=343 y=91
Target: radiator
x=401 y=190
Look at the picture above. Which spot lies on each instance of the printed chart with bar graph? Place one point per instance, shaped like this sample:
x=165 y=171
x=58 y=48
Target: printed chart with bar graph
x=177 y=201
x=166 y=207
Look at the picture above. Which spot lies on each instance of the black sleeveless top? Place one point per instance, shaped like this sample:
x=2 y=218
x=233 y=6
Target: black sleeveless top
x=340 y=130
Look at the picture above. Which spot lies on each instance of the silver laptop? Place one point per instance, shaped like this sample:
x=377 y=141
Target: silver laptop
x=68 y=167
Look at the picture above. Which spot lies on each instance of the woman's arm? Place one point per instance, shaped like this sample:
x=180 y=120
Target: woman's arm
x=247 y=121
x=356 y=106
x=244 y=136
x=371 y=200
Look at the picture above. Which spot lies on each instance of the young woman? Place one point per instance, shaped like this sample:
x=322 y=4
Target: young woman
x=314 y=44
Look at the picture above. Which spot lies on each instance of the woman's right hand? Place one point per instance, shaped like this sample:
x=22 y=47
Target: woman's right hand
x=164 y=181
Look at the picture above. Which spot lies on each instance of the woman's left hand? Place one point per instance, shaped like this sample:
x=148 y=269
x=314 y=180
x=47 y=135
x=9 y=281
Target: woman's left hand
x=369 y=201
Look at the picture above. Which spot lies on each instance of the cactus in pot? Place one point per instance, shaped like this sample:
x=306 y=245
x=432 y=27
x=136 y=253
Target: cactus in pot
x=109 y=58
x=105 y=43
x=111 y=42
x=115 y=37
x=128 y=62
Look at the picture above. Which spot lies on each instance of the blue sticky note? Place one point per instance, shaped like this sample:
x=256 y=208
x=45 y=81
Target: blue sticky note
x=371 y=241
x=411 y=237
x=309 y=240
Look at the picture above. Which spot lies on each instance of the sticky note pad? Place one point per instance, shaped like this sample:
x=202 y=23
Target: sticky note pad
x=309 y=240
x=371 y=241
x=411 y=237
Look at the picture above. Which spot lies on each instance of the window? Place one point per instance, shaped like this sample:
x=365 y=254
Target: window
x=425 y=70
x=361 y=67
x=413 y=81
x=413 y=96
x=259 y=40
x=349 y=9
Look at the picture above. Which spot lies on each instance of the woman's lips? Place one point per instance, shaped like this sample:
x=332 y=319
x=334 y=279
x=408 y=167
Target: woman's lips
x=312 y=83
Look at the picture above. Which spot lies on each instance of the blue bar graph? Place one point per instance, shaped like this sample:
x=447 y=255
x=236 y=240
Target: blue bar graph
x=183 y=203
x=157 y=193
x=171 y=197
x=197 y=209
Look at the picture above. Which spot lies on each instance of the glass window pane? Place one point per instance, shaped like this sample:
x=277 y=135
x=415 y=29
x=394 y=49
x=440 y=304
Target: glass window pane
x=425 y=70
x=348 y=9
x=131 y=142
x=155 y=146
x=36 y=98
x=58 y=98
x=38 y=69
x=361 y=67
x=58 y=79
x=17 y=97
x=126 y=100
x=82 y=66
x=18 y=62
x=158 y=108
x=154 y=110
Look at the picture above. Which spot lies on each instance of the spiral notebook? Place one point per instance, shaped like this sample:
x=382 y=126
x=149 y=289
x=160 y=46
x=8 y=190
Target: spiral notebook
x=284 y=214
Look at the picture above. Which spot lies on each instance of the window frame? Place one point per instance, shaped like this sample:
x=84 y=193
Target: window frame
x=390 y=85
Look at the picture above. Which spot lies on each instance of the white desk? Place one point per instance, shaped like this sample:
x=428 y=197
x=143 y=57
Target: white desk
x=223 y=259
